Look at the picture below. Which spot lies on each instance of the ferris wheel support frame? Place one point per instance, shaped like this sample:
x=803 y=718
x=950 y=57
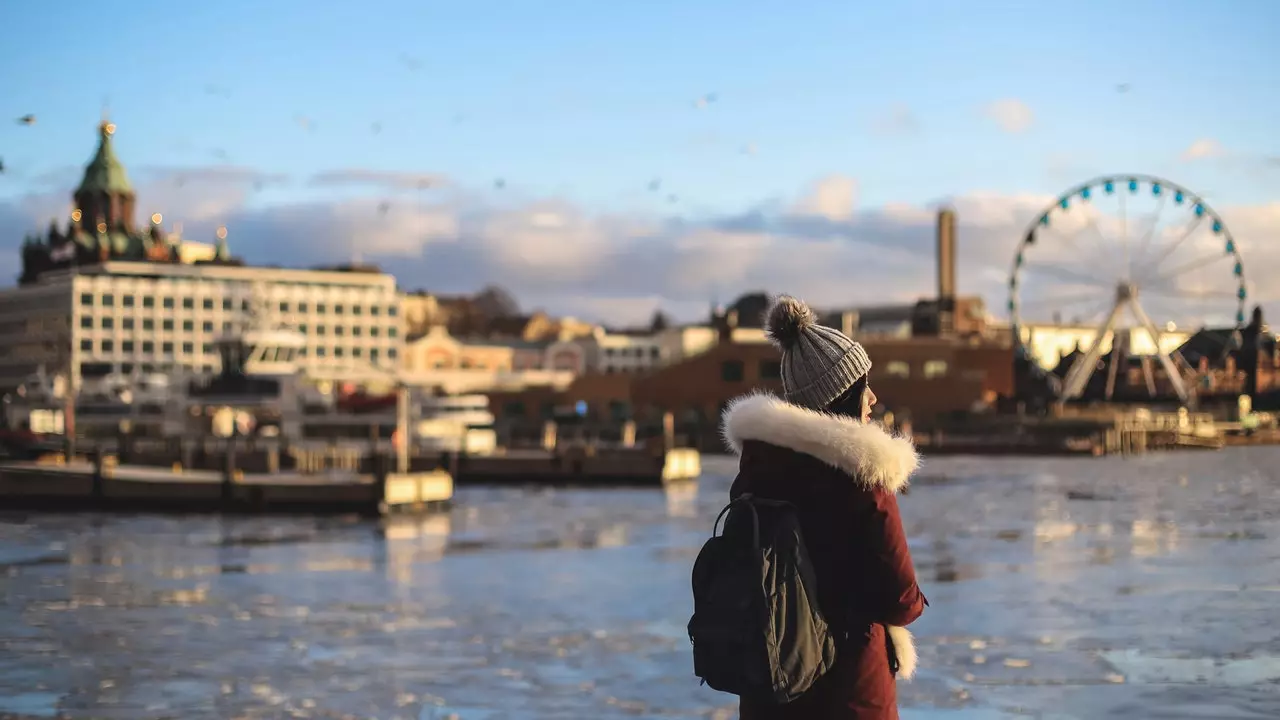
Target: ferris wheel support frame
x=1083 y=368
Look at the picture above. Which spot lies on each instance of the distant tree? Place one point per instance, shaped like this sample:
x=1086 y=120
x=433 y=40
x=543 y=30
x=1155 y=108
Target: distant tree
x=496 y=302
x=660 y=321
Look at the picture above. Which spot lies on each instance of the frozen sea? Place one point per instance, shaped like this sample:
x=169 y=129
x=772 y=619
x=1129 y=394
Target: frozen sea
x=1075 y=588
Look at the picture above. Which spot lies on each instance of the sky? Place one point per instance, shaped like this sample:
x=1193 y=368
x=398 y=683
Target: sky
x=606 y=159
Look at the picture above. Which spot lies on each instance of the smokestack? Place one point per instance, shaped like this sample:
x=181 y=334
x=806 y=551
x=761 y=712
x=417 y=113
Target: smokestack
x=946 y=271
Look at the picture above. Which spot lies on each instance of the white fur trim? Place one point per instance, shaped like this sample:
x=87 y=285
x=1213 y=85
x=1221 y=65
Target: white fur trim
x=864 y=450
x=904 y=646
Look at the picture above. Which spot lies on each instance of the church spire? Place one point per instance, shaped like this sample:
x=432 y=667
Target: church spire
x=105 y=189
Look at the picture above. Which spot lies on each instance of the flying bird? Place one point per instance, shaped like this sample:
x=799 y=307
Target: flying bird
x=411 y=63
x=673 y=198
x=706 y=100
x=499 y=183
x=1122 y=88
x=1 y=165
x=383 y=208
x=27 y=120
x=655 y=185
x=376 y=128
x=305 y=123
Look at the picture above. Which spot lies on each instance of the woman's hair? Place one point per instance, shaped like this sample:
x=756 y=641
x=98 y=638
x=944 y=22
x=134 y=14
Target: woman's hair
x=850 y=403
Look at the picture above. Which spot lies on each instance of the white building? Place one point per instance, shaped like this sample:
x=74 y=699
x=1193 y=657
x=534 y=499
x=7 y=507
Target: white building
x=160 y=317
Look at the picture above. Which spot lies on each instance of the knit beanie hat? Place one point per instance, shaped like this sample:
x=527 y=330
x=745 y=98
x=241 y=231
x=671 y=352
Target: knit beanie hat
x=819 y=364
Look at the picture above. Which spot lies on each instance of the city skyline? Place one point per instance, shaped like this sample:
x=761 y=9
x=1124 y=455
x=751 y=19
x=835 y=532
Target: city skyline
x=595 y=173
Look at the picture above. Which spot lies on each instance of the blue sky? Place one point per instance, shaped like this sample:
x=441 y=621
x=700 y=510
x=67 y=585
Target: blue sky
x=587 y=102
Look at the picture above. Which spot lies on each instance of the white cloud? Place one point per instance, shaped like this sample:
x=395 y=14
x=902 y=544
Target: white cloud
x=1203 y=149
x=1012 y=115
x=832 y=197
x=563 y=258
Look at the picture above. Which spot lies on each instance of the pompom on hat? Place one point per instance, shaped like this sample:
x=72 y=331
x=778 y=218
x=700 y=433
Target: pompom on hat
x=819 y=364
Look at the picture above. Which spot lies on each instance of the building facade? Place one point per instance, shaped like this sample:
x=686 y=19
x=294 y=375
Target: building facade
x=104 y=296
x=126 y=316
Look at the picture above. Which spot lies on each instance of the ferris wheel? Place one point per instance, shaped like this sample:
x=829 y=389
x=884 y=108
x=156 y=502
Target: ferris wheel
x=1121 y=253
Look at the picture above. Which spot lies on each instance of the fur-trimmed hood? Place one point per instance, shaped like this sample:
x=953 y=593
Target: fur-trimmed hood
x=866 y=452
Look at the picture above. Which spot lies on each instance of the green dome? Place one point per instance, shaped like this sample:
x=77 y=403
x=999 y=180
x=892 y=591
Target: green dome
x=105 y=173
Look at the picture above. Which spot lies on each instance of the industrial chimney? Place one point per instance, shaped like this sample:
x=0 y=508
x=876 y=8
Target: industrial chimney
x=946 y=272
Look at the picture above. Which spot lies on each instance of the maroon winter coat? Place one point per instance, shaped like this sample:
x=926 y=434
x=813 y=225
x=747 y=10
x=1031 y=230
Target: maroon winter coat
x=843 y=477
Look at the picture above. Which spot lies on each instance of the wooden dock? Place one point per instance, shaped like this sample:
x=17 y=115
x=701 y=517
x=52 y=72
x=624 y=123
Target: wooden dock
x=102 y=486
x=581 y=467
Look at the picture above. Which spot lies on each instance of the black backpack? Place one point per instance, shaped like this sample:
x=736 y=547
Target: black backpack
x=757 y=631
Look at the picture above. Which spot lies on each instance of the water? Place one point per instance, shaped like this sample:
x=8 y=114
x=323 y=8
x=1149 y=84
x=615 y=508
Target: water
x=1059 y=588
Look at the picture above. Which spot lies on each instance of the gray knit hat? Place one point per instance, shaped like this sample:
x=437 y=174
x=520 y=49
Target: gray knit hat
x=819 y=364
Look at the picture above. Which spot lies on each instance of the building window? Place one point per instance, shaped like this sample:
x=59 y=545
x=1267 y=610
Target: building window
x=302 y=328
x=148 y=346
x=770 y=370
x=226 y=303
x=188 y=303
x=339 y=331
x=108 y=346
x=148 y=301
x=207 y=326
x=320 y=352
x=731 y=371
x=108 y=323
x=207 y=303
x=86 y=322
x=935 y=368
x=188 y=348
x=374 y=310
x=320 y=330
x=108 y=300
x=355 y=310
x=373 y=355
x=166 y=324
x=207 y=348
x=166 y=348
x=168 y=303
x=392 y=311
x=148 y=323
x=188 y=325
x=86 y=346
x=338 y=309
x=127 y=346
x=302 y=307
x=898 y=369
x=320 y=308
x=391 y=332
x=127 y=300
x=356 y=352
x=284 y=307
x=391 y=353
x=127 y=323
x=355 y=331
x=86 y=299
x=373 y=331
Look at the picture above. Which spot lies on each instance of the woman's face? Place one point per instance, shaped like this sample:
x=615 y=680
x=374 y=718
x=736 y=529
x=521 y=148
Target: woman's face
x=868 y=402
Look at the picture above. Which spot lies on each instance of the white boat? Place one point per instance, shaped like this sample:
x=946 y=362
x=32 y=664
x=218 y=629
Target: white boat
x=456 y=424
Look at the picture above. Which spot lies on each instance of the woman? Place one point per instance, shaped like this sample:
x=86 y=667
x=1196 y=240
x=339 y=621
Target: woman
x=816 y=448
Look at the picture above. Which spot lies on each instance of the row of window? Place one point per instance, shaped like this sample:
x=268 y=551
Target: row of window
x=189 y=348
x=735 y=370
x=638 y=352
x=108 y=300
x=109 y=323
